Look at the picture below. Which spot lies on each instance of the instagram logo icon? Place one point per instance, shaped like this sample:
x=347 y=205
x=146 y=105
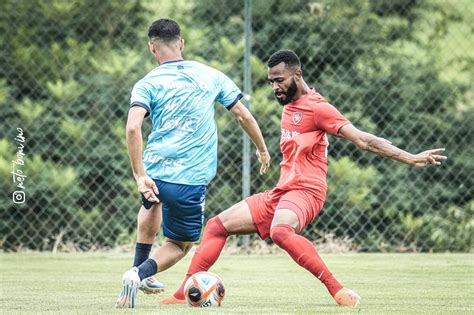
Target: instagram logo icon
x=17 y=172
x=18 y=197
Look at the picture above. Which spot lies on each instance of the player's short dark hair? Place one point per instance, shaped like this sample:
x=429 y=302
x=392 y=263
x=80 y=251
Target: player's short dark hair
x=164 y=29
x=289 y=57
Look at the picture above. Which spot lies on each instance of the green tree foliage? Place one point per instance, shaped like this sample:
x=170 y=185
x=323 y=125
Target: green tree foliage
x=390 y=66
x=78 y=174
x=383 y=64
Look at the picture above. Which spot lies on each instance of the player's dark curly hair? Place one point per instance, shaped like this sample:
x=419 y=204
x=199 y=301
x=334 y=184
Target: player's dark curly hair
x=165 y=30
x=289 y=57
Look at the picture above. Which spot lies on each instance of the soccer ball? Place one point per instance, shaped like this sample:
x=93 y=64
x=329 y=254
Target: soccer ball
x=204 y=289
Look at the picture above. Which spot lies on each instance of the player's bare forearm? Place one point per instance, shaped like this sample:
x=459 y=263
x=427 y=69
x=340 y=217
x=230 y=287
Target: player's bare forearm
x=383 y=148
x=135 y=141
x=253 y=131
x=145 y=185
x=135 y=146
x=250 y=126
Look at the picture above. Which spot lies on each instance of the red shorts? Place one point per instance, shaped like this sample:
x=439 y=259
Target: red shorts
x=263 y=205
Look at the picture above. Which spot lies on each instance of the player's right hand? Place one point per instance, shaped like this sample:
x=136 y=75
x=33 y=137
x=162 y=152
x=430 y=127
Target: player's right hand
x=264 y=159
x=148 y=188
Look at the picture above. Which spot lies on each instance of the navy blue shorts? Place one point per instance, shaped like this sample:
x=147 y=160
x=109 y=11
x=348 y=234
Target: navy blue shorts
x=183 y=210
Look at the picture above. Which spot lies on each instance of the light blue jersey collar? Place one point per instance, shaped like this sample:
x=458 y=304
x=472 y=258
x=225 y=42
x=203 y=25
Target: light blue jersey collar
x=171 y=61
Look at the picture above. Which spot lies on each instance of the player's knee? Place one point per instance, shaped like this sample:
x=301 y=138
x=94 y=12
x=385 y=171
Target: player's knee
x=183 y=247
x=280 y=233
x=215 y=227
x=187 y=247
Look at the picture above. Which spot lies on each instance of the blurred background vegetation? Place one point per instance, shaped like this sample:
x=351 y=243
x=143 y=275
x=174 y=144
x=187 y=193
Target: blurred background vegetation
x=401 y=69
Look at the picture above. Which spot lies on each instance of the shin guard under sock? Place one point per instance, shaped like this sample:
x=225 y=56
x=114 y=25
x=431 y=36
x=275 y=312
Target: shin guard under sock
x=304 y=254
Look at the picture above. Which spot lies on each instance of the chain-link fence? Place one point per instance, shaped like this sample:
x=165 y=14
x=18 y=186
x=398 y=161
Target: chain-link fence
x=400 y=69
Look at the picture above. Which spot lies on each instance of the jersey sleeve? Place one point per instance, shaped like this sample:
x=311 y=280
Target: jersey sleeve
x=141 y=96
x=328 y=118
x=229 y=94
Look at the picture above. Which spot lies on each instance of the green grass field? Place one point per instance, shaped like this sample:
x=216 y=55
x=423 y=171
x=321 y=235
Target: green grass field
x=33 y=283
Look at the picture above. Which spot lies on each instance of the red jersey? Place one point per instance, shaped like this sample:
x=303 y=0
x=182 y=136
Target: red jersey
x=304 y=127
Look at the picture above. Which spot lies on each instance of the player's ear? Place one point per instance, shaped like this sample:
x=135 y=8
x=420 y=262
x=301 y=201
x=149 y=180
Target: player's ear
x=152 y=48
x=298 y=74
x=181 y=44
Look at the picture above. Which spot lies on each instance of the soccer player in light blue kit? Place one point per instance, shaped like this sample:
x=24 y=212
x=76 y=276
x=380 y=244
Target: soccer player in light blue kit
x=180 y=158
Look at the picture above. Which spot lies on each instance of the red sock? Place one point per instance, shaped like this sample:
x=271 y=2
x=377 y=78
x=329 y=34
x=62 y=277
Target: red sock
x=213 y=241
x=304 y=254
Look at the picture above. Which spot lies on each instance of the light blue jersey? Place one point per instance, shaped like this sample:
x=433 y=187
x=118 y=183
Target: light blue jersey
x=180 y=98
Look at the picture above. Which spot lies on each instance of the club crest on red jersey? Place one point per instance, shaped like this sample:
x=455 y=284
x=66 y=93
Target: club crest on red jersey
x=297 y=117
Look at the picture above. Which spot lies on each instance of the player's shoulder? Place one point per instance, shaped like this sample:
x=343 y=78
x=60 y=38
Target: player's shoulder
x=315 y=97
x=152 y=74
x=146 y=78
x=142 y=84
x=202 y=67
x=152 y=78
x=311 y=101
x=318 y=102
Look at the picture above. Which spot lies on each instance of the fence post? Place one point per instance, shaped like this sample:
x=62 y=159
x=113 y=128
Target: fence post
x=247 y=92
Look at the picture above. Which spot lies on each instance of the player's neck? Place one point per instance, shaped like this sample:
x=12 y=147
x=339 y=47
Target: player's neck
x=302 y=91
x=168 y=56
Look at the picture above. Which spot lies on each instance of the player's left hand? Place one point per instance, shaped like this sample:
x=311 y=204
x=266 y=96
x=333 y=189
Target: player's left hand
x=429 y=157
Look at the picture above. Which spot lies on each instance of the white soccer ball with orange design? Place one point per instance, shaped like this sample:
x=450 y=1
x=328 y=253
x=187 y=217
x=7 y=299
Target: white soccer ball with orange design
x=204 y=289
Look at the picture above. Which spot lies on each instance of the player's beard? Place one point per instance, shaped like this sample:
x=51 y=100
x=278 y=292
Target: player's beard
x=289 y=94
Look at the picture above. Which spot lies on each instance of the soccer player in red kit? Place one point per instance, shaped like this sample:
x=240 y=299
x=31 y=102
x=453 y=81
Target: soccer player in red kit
x=282 y=212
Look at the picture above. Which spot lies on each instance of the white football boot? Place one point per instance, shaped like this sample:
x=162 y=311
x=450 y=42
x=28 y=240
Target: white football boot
x=130 y=281
x=151 y=286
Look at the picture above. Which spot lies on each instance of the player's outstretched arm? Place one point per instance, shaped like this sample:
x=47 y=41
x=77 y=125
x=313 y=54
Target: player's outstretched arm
x=382 y=147
x=145 y=185
x=249 y=124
